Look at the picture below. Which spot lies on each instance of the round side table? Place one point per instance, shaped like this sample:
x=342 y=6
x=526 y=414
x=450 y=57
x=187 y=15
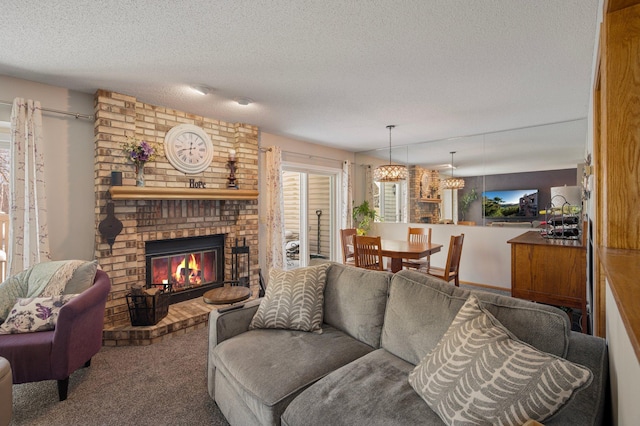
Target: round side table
x=227 y=294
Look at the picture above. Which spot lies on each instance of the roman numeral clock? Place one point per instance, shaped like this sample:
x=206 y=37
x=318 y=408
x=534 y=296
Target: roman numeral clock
x=188 y=148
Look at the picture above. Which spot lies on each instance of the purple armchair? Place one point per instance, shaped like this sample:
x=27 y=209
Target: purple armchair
x=55 y=354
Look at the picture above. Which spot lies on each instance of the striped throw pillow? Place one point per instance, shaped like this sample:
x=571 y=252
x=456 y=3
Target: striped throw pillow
x=293 y=300
x=480 y=374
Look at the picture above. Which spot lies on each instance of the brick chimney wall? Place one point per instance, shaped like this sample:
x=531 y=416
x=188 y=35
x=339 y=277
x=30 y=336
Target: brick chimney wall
x=422 y=203
x=119 y=117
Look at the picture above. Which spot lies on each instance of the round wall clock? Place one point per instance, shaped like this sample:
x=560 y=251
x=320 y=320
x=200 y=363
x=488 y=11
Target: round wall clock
x=188 y=148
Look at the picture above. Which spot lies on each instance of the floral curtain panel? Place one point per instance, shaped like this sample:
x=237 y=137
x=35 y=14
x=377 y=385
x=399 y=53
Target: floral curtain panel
x=368 y=181
x=275 y=207
x=347 y=195
x=28 y=230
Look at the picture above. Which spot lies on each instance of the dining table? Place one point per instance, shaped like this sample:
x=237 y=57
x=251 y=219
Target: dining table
x=397 y=250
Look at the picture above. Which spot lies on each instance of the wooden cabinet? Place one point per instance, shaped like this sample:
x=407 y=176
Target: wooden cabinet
x=551 y=271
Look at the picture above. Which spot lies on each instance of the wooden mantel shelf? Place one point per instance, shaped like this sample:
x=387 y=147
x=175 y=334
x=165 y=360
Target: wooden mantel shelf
x=151 y=193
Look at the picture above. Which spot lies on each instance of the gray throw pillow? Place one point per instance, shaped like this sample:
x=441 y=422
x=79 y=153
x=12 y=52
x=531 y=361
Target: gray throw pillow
x=82 y=278
x=479 y=374
x=293 y=300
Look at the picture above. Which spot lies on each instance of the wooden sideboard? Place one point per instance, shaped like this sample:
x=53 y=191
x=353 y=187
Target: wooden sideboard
x=551 y=271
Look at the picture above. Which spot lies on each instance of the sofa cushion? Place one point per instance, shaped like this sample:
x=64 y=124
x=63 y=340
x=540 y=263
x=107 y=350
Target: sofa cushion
x=37 y=345
x=267 y=368
x=480 y=374
x=34 y=314
x=421 y=308
x=355 y=300
x=372 y=390
x=293 y=300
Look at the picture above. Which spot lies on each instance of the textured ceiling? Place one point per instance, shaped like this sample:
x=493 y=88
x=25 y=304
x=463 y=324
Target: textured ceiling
x=331 y=72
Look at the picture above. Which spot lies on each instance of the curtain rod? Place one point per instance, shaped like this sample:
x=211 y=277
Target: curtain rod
x=56 y=111
x=299 y=154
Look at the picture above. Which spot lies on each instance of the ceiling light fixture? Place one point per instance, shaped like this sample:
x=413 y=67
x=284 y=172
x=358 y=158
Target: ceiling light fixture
x=244 y=101
x=452 y=183
x=201 y=89
x=390 y=172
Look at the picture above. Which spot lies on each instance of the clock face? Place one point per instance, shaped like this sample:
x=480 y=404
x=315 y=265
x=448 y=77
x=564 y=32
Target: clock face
x=188 y=148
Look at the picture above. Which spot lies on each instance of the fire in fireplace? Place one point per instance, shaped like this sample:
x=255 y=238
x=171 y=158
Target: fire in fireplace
x=187 y=266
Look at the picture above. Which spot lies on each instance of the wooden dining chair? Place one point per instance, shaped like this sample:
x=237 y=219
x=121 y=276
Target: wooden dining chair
x=346 y=235
x=419 y=235
x=452 y=268
x=367 y=252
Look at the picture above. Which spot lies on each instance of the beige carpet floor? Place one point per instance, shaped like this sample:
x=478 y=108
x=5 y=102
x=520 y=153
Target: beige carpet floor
x=159 y=384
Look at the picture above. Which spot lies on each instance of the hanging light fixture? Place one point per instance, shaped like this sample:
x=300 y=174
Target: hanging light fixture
x=390 y=172
x=452 y=183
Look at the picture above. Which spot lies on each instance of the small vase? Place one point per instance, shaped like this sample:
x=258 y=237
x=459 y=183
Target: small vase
x=140 y=175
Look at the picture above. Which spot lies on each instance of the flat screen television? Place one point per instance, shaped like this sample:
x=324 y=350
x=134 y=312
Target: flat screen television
x=510 y=204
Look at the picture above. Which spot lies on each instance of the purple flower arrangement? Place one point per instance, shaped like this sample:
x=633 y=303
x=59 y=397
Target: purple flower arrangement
x=139 y=152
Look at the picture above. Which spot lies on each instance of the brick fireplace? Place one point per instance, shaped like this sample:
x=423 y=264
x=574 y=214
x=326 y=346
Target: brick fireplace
x=424 y=189
x=168 y=208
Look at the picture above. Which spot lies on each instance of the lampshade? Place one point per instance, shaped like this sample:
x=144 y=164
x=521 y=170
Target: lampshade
x=452 y=183
x=390 y=172
x=570 y=194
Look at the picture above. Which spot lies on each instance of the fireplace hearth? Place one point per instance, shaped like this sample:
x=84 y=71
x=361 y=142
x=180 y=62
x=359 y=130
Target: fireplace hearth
x=187 y=267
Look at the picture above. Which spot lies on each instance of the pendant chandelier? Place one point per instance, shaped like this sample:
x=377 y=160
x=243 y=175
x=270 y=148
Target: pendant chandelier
x=452 y=183
x=390 y=172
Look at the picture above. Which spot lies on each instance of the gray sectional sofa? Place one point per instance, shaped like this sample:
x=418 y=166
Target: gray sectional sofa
x=377 y=327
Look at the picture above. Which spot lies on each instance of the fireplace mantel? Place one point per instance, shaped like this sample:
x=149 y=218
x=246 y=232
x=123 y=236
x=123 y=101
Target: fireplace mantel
x=151 y=193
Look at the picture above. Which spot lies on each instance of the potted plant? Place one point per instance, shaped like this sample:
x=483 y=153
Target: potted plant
x=363 y=215
x=465 y=201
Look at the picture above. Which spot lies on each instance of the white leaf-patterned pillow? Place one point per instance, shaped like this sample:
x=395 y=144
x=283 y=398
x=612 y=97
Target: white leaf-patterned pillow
x=293 y=300
x=480 y=374
x=34 y=314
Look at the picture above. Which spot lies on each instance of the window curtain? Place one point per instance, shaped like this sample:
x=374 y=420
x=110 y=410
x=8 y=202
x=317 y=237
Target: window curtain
x=28 y=230
x=275 y=207
x=368 y=185
x=347 y=195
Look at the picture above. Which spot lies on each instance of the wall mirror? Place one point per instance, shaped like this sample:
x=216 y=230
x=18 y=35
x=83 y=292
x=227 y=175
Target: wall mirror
x=530 y=159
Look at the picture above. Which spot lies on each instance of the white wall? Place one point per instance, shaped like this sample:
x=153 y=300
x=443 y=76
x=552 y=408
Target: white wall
x=69 y=158
x=486 y=256
x=624 y=369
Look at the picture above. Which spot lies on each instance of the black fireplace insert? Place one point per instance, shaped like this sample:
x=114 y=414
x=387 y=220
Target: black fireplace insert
x=189 y=267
